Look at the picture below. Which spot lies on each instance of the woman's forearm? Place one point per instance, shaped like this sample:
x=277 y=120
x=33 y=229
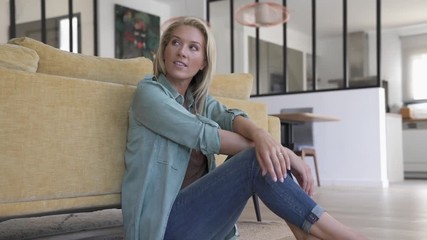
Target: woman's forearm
x=246 y=128
x=242 y=137
x=232 y=143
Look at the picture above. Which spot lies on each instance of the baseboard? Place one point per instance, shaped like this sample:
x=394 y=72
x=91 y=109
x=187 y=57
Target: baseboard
x=415 y=175
x=353 y=183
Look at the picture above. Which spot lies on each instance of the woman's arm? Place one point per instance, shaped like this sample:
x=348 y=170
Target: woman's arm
x=233 y=143
x=302 y=172
x=156 y=108
x=272 y=156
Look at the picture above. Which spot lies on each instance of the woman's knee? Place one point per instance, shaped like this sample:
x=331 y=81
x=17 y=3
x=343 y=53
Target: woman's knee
x=245 y=159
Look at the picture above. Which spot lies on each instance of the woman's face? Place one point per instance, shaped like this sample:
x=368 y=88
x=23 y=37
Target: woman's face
x=184 y=54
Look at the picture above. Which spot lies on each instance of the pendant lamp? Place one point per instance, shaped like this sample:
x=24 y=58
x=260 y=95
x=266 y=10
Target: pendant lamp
x=262 y=14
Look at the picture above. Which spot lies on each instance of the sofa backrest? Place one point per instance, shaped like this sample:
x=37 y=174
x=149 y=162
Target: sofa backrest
x=18 y=58
x=62 y=63
x=43 y=58
x=232 y=85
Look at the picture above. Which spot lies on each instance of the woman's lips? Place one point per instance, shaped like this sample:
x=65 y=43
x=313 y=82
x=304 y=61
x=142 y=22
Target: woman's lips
x=180 y=64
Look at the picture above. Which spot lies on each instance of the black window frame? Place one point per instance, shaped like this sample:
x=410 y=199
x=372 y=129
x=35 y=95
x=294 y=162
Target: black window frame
x=345 y=79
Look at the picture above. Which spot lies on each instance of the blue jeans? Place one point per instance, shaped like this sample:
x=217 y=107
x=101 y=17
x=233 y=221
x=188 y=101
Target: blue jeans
x=209 y=207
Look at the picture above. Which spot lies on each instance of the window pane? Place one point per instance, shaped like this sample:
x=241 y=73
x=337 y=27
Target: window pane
x=299 y=41
x=28 y=22
x=271 y=60
x=220 y=25
x=361 y=66
x=418 y=75
x=329 y=44
x=28 y=19
x=64 y=34
x=414 y=54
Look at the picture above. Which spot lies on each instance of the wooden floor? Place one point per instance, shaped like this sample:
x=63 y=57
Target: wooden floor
x=395 y=213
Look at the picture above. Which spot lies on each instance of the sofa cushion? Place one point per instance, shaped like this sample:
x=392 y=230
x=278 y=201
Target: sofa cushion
x=18 y=58
x=234 y=85
x=58 y=62
x=60 y=137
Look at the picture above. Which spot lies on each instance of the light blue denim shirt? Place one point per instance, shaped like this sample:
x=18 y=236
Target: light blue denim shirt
x=161 y=135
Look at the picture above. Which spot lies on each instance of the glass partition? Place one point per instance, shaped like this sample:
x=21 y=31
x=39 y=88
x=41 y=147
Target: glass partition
x=299 y=46
x=29 y=22
x=220 y=25
x=329 y=44
x=362 y=69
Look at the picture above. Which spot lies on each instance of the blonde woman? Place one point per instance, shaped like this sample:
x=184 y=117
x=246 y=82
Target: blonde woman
x=172 y=188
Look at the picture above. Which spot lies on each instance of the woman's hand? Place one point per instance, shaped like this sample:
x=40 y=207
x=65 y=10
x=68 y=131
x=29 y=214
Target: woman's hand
x=302 y=172
x=273 y=158
x=276 y=159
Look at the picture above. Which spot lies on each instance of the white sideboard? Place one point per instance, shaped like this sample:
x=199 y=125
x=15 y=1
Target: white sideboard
x=415 y=149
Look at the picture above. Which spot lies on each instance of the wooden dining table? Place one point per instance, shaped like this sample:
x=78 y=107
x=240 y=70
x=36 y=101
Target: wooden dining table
x=289 y=119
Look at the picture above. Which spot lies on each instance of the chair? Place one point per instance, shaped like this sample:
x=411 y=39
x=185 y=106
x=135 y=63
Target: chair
x=303 y=138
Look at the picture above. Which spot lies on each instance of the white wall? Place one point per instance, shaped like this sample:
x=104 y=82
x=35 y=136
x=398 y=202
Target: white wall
x=4 y=21
x=351 y=151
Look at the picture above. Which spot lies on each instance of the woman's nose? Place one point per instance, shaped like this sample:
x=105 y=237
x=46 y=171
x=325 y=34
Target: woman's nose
x=182 y=51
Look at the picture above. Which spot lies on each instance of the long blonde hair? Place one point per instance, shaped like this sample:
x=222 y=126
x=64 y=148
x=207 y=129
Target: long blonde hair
x=201 y=81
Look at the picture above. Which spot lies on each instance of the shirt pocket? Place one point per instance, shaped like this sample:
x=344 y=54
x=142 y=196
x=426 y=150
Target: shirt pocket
x=170 y=154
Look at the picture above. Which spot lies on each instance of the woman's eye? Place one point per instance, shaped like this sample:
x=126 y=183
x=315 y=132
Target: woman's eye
x=194 y=48
x=175 y=42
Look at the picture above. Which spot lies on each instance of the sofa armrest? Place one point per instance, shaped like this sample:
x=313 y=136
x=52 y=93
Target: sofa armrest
x=274 y=127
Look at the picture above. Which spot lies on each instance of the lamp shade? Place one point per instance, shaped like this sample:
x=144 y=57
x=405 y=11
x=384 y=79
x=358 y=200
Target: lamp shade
x=262 y=14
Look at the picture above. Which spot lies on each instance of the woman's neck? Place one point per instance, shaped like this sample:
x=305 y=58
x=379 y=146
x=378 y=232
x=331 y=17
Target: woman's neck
x=180 y=86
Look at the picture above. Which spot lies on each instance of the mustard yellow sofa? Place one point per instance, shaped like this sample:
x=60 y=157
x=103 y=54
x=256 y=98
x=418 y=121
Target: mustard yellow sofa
x=63 y=125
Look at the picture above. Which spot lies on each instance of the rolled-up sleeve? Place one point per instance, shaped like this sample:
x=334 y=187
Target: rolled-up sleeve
x=154 y=107
x=221 y=114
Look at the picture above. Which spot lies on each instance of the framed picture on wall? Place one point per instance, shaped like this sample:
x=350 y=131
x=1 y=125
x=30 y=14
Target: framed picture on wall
x=136 y=33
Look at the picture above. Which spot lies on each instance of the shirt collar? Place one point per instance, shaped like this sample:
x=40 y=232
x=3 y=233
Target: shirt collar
x=178 y=97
